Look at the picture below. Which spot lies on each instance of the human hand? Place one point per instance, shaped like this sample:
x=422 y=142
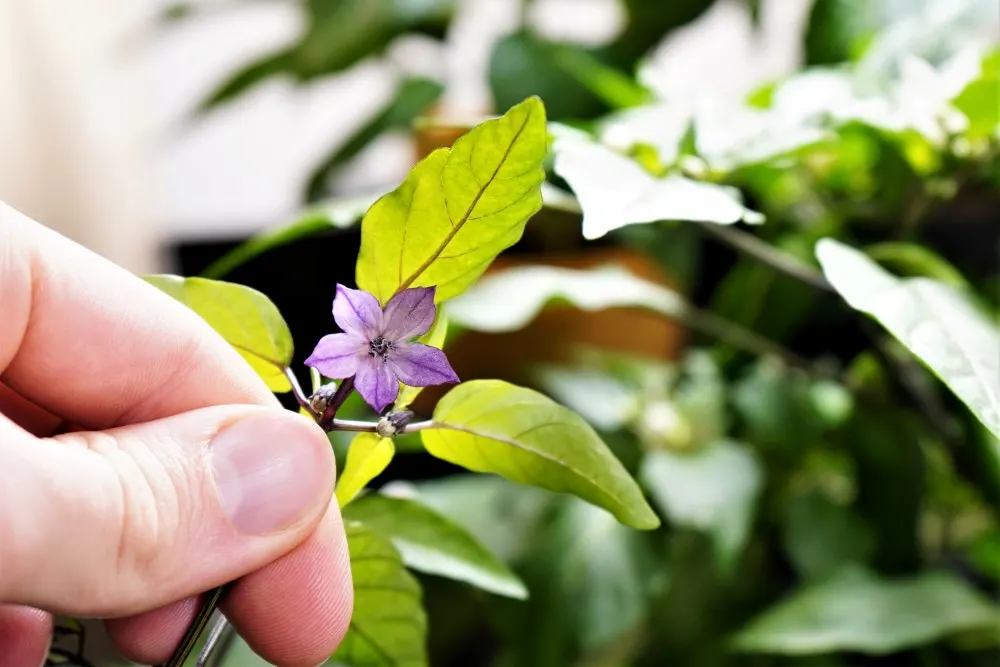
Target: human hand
x=142 y=462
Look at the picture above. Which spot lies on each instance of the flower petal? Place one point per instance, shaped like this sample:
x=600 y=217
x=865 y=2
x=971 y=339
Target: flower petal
x=357 y=312
x=376 y=383
x=420 y=365
x=409 y=314
x=336 y=356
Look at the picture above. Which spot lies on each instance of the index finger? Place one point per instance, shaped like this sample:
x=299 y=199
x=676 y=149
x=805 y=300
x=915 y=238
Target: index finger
x=98 y=346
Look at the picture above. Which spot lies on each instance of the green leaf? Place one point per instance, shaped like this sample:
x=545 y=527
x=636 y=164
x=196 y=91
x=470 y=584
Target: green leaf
x=367 y=456
x=855 y=611
x=612 y=86
x=435 y=338
x=985 y=554
x=593 y=574
x=457 y=209
x=822 y=537
x=615 y=191
x=713 y=489
x=916 y=260
x=337 y=213
x=244 y=317
x=246 y=78
x=508 y=300
x=934 y=321
x=431 y=543
x=389 y=626
x=501 y=514
x=493 y=426
x=980 y=102
x=412 y=98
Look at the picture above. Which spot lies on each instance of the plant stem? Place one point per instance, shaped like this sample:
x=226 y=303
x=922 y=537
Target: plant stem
x=728 y=332
x=300 y=396
x=343 y=391
x=763 y=252
x=369 y=427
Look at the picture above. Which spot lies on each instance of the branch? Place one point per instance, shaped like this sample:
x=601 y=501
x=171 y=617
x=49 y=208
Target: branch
x=765 y=253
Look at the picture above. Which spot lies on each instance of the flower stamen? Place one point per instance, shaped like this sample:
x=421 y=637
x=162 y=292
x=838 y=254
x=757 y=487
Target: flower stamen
x=380 y=347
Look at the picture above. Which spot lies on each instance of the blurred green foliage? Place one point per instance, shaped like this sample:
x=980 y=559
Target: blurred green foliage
x=826 y=454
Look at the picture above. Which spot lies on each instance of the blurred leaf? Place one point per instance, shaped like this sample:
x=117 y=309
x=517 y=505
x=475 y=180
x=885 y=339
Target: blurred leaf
x=836 y=29
x=246 y=78
x=594 y=573
x=821 y=536
x=916 y=260
x=777 y=405
x=985 y=554
x=333 y=214
x=458 y=208
x=890 y=471
x=508 y=300
x=367 y=456
x=856 y=611
x=935 y=322
x=499 y=513
x=411 y=100
x=431 y=543
x=389 y=626
x=520 y=434
x=615 y=191
x=244 y=317
x=602 y=400
x=435 y=338
x=615 y=88
x=523 y=64
x=980 y=100
x=713 y=489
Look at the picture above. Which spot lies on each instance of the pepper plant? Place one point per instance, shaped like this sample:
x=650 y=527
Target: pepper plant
x=423 y=244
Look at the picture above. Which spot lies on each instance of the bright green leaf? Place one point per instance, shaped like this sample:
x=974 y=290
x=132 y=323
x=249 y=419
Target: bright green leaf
x=337 y=213
x=714 y=489
x=980 y=102
x=434 y=544
x=435 y=338
x=244 y=317
x=389 y=626
x=931 y=319
x=367 y=456
x=615 y=191
x=855 y=611
x=520 y=434
x=457 y=209
x=508 y=300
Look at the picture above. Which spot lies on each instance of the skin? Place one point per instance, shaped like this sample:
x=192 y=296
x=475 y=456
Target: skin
x=109 y=391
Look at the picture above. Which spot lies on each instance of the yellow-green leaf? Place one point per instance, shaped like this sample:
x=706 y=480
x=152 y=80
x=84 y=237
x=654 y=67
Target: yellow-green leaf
x=389 y=626
x=367 y=456
x=432 y=543
x=458 y=208
x=435 y=338
x=496 y=427
x=244 y=317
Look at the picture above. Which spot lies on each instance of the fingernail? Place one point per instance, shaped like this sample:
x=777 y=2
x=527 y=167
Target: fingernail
x=270 y=470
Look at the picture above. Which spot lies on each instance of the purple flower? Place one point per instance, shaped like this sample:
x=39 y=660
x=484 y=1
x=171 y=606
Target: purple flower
x=376 y=347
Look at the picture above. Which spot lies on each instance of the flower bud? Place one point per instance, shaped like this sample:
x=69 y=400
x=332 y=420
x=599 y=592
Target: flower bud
x=321 y=399
x=393 y=423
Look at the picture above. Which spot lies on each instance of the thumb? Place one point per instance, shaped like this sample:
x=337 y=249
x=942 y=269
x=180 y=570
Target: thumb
x=117 y=522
